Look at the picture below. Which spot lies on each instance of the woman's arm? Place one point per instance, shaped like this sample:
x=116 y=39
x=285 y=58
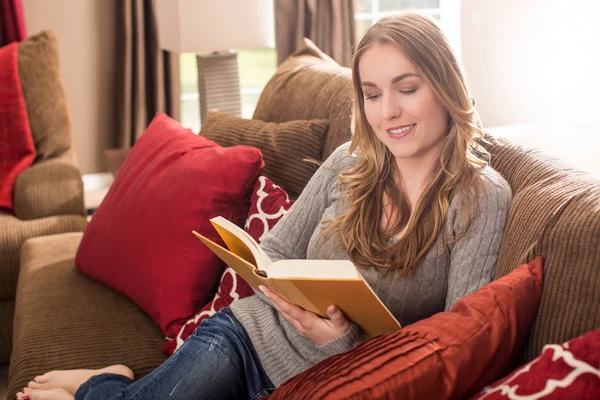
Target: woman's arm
x=473 y=258
x=290 y=236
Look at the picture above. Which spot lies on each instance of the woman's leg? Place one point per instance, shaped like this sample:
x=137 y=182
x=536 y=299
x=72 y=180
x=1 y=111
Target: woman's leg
x=216 y=362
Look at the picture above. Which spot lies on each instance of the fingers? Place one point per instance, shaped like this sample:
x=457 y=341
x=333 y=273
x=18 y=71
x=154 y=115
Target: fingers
x=295 y=315
x=290 y=309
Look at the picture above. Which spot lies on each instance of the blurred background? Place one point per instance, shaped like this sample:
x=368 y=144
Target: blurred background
x=532 y=66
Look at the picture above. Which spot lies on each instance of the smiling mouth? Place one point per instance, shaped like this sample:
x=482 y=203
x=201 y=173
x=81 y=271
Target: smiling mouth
x=399 y=131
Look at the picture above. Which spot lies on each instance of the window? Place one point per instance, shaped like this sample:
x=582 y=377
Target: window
x=445 y=12
x=255 y=68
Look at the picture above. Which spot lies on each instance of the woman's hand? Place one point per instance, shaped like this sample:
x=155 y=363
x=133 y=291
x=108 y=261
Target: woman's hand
x=310 y=325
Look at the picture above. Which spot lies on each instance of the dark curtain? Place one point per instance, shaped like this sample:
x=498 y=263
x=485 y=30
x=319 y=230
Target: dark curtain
x=12 y=23
x=328 y=23
x=147 y=77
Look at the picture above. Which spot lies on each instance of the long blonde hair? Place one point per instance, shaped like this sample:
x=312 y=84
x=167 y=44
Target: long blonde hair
x=375 y=173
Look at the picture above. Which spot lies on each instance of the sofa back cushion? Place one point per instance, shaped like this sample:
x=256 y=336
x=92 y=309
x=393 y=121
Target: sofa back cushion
x=45 y=96
x=285 y=146
x=310 y=85
x=555 y=213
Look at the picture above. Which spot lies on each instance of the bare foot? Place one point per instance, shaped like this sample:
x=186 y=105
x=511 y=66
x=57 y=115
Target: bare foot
x=50 y=394
x=70 y=380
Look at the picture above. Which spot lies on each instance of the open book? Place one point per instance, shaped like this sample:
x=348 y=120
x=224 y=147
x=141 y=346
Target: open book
x=313 y=285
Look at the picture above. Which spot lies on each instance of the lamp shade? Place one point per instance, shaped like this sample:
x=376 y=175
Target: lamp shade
x=196 y=26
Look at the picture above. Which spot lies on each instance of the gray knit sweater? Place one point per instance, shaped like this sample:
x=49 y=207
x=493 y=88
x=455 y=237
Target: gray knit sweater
x=435 y=286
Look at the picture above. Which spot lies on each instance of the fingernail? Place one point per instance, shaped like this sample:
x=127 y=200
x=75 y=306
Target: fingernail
x=262 y=288
x=26 y=397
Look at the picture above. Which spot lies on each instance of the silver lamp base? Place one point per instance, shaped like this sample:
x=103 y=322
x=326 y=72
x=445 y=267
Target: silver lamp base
x=219 y=83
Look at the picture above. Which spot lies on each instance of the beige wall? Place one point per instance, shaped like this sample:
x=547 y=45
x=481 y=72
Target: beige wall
x=86 y=34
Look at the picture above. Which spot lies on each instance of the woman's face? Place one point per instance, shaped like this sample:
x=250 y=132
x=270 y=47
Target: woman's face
x=400 y=106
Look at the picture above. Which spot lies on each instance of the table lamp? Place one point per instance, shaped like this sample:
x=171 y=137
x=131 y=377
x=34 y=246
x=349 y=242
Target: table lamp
x=212 y=29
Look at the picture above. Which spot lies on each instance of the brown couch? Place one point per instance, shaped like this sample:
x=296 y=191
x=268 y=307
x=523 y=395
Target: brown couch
x=65 y=320
x=48 y=196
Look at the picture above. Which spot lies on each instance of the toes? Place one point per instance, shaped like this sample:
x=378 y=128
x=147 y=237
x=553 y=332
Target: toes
x=41 y=378
x=34 y=385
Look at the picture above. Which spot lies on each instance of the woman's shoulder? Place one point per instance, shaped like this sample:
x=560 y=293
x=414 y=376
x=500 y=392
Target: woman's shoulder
x=494 y=184
x=494 y=190
x=341 y=158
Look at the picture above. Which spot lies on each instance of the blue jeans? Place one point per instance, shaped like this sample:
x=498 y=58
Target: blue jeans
x=216 y=362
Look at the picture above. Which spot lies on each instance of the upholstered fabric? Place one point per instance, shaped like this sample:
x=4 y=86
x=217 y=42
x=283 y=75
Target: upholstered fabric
x=45 y=95
x=80 y=323
x=310 y=85
x=7 y=314
x=49 y=187
x=285 y=146
x=48 y=196
x=555 y=213
x=13 y=232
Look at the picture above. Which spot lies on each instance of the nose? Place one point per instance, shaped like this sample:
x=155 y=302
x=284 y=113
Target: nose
x=390 y=109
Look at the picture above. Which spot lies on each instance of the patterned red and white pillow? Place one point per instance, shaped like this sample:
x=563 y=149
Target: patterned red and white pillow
x=269 y=203
x=567 y=371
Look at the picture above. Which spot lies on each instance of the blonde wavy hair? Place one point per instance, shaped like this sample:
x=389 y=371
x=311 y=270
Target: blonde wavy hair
x=375 y=173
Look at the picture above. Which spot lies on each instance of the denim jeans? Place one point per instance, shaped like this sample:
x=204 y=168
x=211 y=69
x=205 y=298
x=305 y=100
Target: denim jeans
x=216 y=362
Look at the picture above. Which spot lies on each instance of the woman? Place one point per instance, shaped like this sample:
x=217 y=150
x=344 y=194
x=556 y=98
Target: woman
x=410 y=201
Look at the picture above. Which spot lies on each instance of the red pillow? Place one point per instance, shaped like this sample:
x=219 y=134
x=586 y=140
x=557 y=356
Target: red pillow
x=449 y=355
x=139 y=241
x=17 y=151
x=269 y=203
x=567 y=371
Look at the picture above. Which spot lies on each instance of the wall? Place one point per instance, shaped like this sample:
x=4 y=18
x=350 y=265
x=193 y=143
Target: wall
x=533 y=61
x=86 y=34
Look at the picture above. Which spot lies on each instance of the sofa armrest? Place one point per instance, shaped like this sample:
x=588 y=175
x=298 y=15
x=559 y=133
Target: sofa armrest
x=14 y=232
x=52 y=187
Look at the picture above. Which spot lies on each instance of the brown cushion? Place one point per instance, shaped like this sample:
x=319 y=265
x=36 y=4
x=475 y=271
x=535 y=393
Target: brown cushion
x=44 y=94
x=285 y=146
x=555 y=213
x=64 y=320
x=13 y=232
x=310 y=85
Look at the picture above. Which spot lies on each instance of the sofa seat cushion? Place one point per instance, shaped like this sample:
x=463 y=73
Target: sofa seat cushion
x=65 y=320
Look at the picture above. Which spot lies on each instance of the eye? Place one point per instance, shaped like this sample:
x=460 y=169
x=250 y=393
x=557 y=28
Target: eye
x=372 y=96
x=411 y=91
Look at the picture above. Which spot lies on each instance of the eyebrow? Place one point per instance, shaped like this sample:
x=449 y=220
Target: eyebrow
x=394 y=80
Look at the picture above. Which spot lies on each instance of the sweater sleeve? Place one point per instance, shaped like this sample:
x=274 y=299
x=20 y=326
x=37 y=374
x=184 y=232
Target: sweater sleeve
x=289 y=238
x=473 y=257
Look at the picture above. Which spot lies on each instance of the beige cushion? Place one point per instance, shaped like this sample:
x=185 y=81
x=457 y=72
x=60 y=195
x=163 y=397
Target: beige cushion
x=555 y=213
x=310 y=85
x=284 y=146
x=64 y=320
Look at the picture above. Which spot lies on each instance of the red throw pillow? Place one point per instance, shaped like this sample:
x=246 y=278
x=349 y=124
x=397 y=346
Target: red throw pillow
x=269 y=203
x=567 y=371
x=17 y=151
x=449 y=355
x=140 y=242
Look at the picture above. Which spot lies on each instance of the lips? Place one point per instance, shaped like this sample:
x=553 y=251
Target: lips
x=400 y=130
